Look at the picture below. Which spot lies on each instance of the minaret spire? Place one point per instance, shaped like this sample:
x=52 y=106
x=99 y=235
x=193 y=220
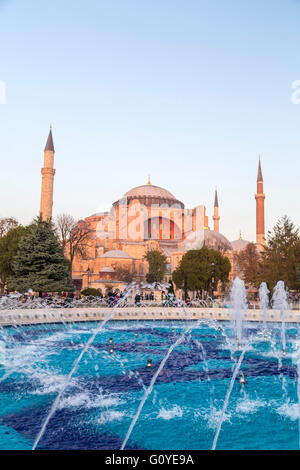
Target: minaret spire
x=48 y=173
x=216 y=216
x=260 y=207
x=259 y=173
x=49 y=143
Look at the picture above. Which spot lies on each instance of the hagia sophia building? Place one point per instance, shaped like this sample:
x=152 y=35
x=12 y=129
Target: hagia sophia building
x=146 y=217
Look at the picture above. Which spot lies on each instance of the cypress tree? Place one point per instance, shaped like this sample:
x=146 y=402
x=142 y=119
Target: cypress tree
x=281 y=256
x=40 y=263
x=157 y=262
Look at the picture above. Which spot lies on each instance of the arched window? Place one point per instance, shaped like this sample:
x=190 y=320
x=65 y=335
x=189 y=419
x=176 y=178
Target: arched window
x=161 y=228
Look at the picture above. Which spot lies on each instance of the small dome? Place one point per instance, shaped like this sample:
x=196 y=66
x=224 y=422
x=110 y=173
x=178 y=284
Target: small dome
x=107 y=269
x=115 y=254
x=239 y=245
x=207 y=238
x=148 y=190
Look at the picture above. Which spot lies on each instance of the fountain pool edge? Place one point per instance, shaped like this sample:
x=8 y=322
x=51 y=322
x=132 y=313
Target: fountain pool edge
x=84 y=314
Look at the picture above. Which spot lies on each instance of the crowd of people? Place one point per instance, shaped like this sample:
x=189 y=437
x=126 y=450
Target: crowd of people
x=112 y=298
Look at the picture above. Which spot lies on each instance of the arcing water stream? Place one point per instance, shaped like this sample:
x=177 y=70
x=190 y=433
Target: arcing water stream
x=226 y=401
x=70 y=375
x=152 y=383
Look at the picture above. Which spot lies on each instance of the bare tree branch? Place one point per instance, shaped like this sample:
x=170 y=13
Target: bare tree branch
x=6 y=224
x=75 y=236
x=123 y=273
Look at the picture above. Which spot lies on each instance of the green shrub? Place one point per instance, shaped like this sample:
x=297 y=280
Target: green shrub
x=92 y=291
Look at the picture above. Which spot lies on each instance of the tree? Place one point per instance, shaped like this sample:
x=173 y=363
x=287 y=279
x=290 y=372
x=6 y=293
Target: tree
x=249 y=263
x=75 y=236
x=195 y=272
x=298 y=273
x=6 y=224
x=157 y=263
x=281 y=256
x=40 y=263
x=9 y=245
x=123 y=274
x=90 y=291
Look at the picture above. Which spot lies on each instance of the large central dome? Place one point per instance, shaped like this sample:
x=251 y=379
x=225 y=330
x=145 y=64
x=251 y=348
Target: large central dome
x=148 y=190
x=149 y=194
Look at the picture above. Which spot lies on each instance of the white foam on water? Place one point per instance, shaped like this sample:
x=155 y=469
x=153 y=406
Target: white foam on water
x=110 y=415
x=2 y=352
x=49 y=382
x=249 y=406
x=79 y=400
x=80 y=331
x=52 y=338
x=126 y=326
x=85 y=400
x=23 y=359
x=212 y=416
x=289 y=410
x=175 y=412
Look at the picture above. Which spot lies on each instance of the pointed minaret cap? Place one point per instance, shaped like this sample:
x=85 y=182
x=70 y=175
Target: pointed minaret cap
x=259 y=173
x=49 y=144
x=149 y=181
x=216 y=199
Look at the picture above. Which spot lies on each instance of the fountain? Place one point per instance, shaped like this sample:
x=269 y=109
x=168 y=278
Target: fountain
x=75 y=365
x=152 y=383
x=263 y=293
x=226 y=401
x=238 y=300
x=280 y=302
x=102 y=374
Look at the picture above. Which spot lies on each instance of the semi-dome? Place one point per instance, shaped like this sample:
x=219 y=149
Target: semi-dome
x=107 y=269
x=239 y=245
x=206 y=238
x=148 y=190
x=115 y=254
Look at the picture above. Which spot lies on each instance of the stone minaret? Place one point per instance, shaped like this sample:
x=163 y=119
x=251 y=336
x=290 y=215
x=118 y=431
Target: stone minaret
x=216 y=216
x=48 y=173
x=260 y=208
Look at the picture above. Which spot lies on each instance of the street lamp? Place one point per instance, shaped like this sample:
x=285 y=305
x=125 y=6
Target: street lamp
x=88 y=274
x=213 y=273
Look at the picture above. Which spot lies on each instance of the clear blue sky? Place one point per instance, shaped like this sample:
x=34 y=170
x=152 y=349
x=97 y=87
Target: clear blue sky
x=190 y=91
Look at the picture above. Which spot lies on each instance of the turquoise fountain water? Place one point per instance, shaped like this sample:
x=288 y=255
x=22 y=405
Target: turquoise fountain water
x=74 y=368
x=61 y=388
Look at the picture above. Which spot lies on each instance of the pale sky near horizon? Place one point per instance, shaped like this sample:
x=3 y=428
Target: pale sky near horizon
x=188 y=91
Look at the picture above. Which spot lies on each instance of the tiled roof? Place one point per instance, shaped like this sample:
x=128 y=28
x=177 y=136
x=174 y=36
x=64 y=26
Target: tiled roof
x=115 y=254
